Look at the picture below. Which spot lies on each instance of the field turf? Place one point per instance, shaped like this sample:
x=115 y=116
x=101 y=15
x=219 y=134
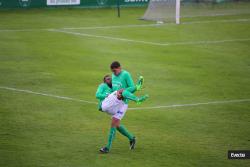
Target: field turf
x=206 y=60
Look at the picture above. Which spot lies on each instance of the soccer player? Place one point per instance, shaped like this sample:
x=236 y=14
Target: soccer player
x=111 y=103
x=121 y=80
x=105 y=89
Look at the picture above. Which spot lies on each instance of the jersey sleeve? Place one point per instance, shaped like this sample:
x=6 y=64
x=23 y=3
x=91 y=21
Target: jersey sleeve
x=130 y=83
x=100 y=93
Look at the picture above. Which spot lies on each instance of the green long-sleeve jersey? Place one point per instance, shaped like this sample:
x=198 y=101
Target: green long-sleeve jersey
x=123 y=81
x=102 y=92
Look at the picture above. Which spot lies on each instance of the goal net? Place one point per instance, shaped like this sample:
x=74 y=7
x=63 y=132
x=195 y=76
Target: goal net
x=162 y=10
x=173 y=10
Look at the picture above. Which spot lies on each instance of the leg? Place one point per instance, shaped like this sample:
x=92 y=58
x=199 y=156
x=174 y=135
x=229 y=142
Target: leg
x=114 y=124
x=128 y=95
x=111 y=105
x=138 y=85
x=122 y=129
x=132 y=89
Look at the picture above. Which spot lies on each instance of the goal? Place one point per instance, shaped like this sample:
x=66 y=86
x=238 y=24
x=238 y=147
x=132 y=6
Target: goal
x=173 y=10
x=163 y=10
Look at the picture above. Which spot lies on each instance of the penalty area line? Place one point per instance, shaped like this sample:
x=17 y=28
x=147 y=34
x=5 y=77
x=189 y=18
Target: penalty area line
x=127 y=26
x=150 y=43
x=83 y=28
x=45 y=94
x=135 y=108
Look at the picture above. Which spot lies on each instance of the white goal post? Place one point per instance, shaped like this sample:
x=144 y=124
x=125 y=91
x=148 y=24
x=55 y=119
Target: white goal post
x=163 y=10
x=177 y=11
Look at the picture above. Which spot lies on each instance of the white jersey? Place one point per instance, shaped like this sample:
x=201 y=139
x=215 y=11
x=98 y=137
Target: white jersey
x=113 y=106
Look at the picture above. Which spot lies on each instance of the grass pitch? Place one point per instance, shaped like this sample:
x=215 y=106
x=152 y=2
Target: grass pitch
x=204 y=62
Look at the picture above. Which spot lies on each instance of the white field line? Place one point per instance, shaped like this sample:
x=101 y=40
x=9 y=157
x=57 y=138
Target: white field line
x=45 y=94
x=193 y=104
x=104 y=37
x=125 y=26
x=158 y=24
x=208 y=42
x=219 y=14
x=87 y=28
x=150 y=43
x=112 y=27
x=217 y=21
x=154 y=25
x=136 y=108
x=23 y=30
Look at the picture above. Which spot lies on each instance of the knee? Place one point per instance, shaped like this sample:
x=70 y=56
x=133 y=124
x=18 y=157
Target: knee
x=115 y=123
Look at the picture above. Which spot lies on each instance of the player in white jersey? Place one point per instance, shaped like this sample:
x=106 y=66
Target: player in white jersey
x=113 y=104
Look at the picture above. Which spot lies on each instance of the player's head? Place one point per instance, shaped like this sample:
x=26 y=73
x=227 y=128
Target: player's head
x=115 y=67
x=107 y=79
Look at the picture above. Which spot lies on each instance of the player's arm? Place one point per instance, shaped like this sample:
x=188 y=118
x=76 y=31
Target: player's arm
x=131 y=86
x=100 y=93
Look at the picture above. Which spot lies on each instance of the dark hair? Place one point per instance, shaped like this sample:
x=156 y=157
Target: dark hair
x=115 y=64
x=106 y=76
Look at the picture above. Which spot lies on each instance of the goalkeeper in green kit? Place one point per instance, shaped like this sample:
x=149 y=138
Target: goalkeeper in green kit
x=113 y=96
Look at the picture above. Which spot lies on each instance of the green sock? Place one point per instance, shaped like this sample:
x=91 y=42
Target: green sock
x=128 y=95
x=125 y=132
x=111 y=137
x=131 y=89
x=134 y=88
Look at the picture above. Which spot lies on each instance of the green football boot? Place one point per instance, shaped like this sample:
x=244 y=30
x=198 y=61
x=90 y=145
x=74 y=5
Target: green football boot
x=142 y=99
x=140 y=83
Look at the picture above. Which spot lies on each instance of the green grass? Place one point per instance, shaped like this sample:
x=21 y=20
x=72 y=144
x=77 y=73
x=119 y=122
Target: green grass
x=44 y=131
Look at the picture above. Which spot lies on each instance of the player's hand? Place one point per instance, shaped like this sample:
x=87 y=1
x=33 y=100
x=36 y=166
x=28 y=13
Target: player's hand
x=119 y=94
